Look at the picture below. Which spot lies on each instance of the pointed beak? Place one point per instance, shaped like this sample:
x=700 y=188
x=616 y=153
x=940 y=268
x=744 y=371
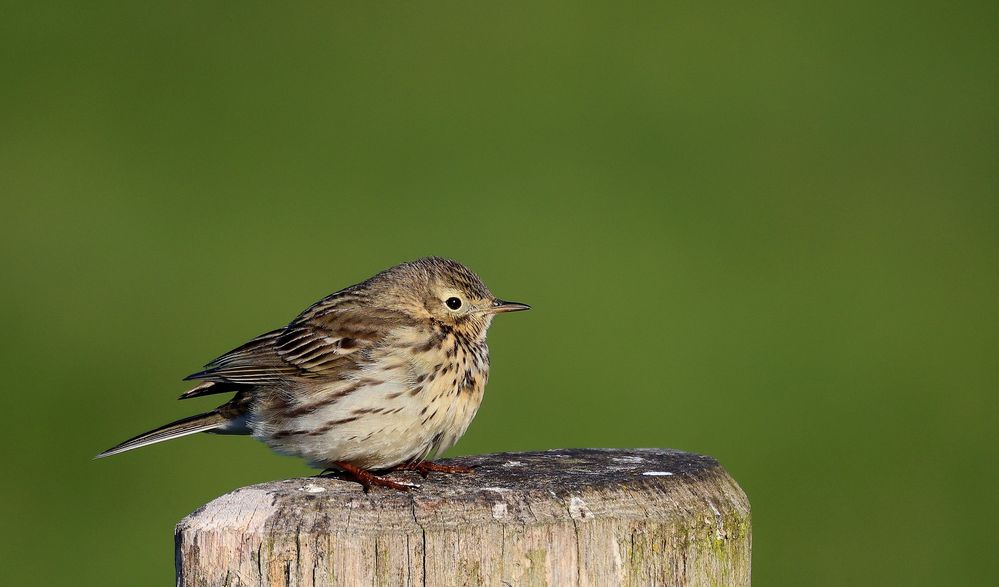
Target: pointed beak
x=500 y=306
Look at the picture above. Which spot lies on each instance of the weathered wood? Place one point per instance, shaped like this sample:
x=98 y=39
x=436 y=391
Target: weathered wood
x=561 y=517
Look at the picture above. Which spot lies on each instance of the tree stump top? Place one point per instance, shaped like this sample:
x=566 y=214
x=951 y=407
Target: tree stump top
x=573 y=516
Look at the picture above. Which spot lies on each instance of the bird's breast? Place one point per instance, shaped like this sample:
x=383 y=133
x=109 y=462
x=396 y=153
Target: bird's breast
x=407 y=402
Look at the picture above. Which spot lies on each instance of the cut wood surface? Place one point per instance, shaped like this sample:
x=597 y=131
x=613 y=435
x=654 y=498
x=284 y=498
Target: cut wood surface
x=560 y=517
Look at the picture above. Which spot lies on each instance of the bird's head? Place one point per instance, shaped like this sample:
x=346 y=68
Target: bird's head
x=443 y=291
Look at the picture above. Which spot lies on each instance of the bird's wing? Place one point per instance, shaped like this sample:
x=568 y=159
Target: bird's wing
x=314 y=345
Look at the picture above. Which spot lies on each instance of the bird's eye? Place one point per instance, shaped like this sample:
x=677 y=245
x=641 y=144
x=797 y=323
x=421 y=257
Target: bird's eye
x=453 y=303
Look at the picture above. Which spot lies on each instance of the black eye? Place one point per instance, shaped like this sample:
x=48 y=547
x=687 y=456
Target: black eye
x=453 y=303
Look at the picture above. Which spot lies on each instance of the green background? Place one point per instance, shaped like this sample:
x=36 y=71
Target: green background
x=767 y=231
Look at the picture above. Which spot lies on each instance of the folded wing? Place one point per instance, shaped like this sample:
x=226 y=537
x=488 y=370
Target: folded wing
x=313 y=346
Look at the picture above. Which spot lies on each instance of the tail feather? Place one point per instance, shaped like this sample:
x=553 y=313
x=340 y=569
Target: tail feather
x=210 y=388
x=201 y=423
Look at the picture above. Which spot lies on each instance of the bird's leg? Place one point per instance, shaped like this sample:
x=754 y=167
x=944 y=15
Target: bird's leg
x=424 y=468
x=368 y=479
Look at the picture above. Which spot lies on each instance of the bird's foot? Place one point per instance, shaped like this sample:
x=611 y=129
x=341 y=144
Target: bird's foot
x=427 y=467
x=368 y=479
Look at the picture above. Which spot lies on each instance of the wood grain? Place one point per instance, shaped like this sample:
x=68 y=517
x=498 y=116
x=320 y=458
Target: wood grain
x=560 y=517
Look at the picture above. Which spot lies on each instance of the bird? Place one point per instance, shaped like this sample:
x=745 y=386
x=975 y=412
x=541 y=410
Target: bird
x=380 y=376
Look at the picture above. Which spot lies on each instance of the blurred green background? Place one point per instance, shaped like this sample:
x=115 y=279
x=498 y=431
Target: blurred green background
x=768 y=232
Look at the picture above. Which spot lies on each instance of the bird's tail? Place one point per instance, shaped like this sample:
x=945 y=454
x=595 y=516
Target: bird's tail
x=207 y=422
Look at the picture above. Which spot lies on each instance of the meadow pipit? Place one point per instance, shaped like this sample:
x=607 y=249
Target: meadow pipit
x=381 y=375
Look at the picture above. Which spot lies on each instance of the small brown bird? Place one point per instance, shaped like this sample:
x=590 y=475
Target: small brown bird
x=381 y=375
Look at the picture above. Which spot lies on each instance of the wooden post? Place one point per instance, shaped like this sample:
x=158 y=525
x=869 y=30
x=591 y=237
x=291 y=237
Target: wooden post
x=560 y=517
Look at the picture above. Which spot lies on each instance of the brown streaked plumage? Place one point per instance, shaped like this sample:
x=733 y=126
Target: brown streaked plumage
x=381 y=375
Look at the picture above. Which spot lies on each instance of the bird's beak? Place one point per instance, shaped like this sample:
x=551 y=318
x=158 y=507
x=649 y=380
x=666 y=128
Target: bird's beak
x=500 y=306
